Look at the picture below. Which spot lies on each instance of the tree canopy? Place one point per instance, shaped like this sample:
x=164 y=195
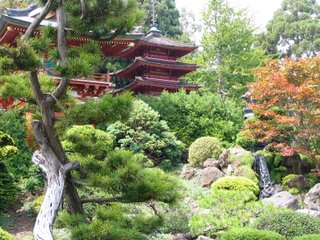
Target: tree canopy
x=294 y=29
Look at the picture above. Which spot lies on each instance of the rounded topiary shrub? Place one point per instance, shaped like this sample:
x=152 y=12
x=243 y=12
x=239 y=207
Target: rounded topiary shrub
x=288 y=223
x=204 y=148
x=236 y=183
x=308 y=237
x=5 y=235
x=250 y=234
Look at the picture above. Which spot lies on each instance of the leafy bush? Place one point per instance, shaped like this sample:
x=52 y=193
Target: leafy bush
x=224 y=209
x=8 y=189
x=288 y=223
x=88 y=140
x=204 y=148
x=145 y=133
x=250 y=234
x=245 y=171
x=197 y=115
x=236 y=183
x=13 y=123
x=244 y=141
x=308 y=237
x=5 y=235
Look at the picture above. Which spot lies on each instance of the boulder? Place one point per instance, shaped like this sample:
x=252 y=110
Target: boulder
x=211 y=162
x=187 y=172
x=224 y=158
x=283 y=200
x=295 y=165
x=209 y=176
x=312 y=198
x=299 y=182
x=181 y=236
x=310 y=212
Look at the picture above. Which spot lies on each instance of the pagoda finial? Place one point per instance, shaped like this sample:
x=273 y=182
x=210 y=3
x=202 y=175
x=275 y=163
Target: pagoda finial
x=154 y=14
x=154 y=29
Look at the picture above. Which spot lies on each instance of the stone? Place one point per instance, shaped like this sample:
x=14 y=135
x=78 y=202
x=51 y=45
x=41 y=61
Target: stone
x=181 y=236
x=204 y=238
x=312 y=198
x=211 y=163
x=295 y=165
x=283 y=200
x=223 y=159
x=209 y=176
x=229 y=170
x=299 y=182
x=187 y=172
x=310 y=212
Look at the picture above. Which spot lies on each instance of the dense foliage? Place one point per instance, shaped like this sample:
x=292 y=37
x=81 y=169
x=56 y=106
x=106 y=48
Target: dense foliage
x=294 y=29
x=228 y=209
x=5 y=235
x=308 y=237
x=197 y=115
x=203 y=149
x=288 y=223
x=236 y=183
x=287 y=106
x=145 y=133
x=229 y=55
x=250 y=234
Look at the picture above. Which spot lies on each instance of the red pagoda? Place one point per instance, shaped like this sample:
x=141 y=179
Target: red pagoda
x=155 y=67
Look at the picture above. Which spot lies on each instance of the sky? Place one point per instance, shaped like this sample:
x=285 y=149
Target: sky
x=260 y=10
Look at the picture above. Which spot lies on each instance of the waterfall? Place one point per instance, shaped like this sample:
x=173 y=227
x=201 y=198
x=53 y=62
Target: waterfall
x=261 y=168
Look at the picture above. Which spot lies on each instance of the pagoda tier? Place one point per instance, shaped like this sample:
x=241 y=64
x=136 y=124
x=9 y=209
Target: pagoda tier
x=157 y=70
x=144 y=86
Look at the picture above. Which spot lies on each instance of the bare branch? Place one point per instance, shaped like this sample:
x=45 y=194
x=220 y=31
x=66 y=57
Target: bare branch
x=71 y=166
x=32 y=27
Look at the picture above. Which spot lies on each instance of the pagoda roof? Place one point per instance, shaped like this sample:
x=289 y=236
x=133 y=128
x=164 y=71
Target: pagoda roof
x=154 y=38
x=140 y=62
x=142 y=85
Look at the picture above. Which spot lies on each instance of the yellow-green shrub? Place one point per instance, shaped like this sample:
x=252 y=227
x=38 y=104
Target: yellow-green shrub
x=236 y=183
x=204 y=148
x=5 y=235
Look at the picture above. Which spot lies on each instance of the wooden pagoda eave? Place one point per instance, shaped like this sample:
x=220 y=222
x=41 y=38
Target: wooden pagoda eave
x=132 y=52
x=140 y=63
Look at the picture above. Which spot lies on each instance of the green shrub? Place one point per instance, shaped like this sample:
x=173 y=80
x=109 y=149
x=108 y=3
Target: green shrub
x=244 y=141
x=288 y=223
x=250 y=234
x=8 y=189
x=224 y=209
x=145 y=133
x=308 y=237
x=5 y=235
x=197 y=115
x=204 y=148
x=245 y=171
x=236 y=183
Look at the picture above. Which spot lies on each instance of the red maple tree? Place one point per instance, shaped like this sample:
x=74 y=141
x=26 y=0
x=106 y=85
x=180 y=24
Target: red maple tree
x=287 y=106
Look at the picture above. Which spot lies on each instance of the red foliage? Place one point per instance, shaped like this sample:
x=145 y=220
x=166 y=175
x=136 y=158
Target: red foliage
x=287 y=106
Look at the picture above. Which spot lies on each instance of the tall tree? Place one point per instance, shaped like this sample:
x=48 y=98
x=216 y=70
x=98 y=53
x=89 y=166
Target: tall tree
x=229 y=52
x=294 y=29
x=26 y=57
x=167 y=17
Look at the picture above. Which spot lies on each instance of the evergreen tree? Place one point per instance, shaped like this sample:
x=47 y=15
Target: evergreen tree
x=167 y=17
x=294 y=29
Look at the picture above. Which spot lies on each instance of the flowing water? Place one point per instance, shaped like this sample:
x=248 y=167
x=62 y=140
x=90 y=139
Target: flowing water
x=265 y=184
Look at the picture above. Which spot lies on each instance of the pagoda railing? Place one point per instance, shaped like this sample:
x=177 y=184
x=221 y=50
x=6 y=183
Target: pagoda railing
x=159 y=57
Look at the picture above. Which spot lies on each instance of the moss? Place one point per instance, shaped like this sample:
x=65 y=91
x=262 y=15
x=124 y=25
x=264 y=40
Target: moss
x=245 y=171
x=250 y=234
x=243 y=156
x=204 y=148
x=236 y=183
x=5 y=235
x=287 y=178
